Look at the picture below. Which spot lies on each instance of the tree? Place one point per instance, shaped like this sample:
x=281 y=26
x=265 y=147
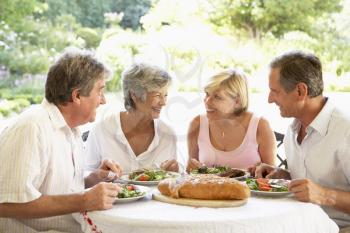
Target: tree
x=133 y=10
x=90 y=13
x=13 y=15
x=259 y=17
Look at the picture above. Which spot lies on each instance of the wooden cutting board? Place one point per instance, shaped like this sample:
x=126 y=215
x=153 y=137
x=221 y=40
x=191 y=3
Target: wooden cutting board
x=197 y=202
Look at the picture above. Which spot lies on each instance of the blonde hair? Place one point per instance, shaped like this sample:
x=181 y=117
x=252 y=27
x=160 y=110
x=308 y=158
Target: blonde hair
x=234 y=83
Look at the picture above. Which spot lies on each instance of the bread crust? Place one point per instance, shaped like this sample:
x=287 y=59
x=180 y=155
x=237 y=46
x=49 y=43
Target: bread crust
x=206 y=187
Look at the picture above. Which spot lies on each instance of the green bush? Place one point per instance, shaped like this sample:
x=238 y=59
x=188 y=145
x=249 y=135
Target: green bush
x=90 y=36
x=115 y=83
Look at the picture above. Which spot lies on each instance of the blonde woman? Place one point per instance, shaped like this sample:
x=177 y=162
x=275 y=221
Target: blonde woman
x=228 y=134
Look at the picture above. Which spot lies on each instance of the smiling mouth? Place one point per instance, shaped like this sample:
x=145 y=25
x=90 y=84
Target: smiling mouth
x=157 y=109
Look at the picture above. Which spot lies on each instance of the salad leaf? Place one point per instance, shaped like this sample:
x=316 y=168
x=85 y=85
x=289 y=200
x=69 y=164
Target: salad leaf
x=152 y=175
x=128 y=191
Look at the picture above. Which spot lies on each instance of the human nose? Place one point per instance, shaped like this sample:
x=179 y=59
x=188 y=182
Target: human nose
x=163 y=100
x=102 y=99
x=207 y=99
x=270 y=98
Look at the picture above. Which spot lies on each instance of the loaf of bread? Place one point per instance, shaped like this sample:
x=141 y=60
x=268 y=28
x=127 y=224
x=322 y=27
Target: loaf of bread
x=206 y=187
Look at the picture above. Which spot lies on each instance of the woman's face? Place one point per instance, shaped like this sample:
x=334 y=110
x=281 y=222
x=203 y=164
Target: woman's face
x=219 y=104
x=155 y=100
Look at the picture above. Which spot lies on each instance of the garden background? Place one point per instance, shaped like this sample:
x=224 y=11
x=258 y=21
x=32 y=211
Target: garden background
x=192 y=39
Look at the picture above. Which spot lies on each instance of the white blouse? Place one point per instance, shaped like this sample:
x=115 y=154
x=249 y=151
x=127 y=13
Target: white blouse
x=107 y=141
x=40 y=155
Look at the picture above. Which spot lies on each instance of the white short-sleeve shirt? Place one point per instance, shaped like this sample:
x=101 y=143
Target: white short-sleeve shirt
x=106 y=140
x=40 y=155
x=324 y=154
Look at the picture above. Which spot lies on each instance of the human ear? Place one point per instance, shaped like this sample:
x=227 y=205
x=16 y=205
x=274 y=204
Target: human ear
x=76 y=96
x=302 y=90
x=133 y=96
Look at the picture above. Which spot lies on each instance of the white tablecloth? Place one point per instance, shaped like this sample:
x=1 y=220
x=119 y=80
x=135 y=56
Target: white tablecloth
x=267 y=215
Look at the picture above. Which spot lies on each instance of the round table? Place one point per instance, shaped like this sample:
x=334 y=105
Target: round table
x=259 y=214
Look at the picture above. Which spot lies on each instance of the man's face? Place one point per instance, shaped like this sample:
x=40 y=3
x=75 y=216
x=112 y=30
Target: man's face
x=287 y=102
x=90 y=103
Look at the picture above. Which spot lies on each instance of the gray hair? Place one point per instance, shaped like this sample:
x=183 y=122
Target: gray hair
x=296 y=67
x=141 y=78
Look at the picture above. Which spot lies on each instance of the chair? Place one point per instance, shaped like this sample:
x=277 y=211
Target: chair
x=279 y=139
x=85 y=135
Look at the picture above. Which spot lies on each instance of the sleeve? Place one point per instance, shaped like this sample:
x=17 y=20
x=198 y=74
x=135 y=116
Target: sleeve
x=92 y=150
x=344 y=153
x=21 y=172
x=169 y=149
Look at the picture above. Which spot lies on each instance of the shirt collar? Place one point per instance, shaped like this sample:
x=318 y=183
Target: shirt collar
x=295 y=125
x=321 y=121
x=55 y=115
x=120 y=136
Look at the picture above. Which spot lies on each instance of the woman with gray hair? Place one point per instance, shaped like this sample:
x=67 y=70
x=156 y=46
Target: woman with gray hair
x=136 y=138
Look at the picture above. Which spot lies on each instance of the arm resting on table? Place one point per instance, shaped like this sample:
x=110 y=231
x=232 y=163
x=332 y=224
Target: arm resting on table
x=44 y=206
x=339 y=200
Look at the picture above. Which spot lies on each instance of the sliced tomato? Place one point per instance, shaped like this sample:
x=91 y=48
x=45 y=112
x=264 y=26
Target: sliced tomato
x=264 y=188
x=262 y=181
x=131 y=188
x=144 y=177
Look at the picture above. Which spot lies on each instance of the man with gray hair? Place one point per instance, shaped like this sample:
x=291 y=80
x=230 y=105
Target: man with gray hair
x=317 y=142
x=41 y=173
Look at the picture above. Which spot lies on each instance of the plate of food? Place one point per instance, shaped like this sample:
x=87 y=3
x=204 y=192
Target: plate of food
x=148 y=176
x=269 y=187
x=131 y=192
x=223 y=171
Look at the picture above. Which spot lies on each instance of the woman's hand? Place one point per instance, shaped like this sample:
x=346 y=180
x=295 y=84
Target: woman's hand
x=193 y=164
x=267 y=171
x=170 y=165
x=108 y=171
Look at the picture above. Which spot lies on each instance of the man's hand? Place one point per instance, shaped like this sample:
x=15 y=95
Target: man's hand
x=170 y=165
x=101 y=196
x=263 y=170
x=307 y=191
x=193 y=164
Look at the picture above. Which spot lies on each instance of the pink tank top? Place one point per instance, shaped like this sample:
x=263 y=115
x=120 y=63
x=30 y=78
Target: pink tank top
x=244 y=156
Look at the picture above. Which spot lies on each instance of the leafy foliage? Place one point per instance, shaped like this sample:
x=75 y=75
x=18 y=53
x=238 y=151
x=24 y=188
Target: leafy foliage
x=192 y=38
x=133 y=10
x=90 y=36
x=259 y=17
x=90 y=13
x=12 y=14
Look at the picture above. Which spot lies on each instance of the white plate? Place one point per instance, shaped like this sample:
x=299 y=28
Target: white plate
x=146 y=191
x=138 y=182
x=270 y=194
